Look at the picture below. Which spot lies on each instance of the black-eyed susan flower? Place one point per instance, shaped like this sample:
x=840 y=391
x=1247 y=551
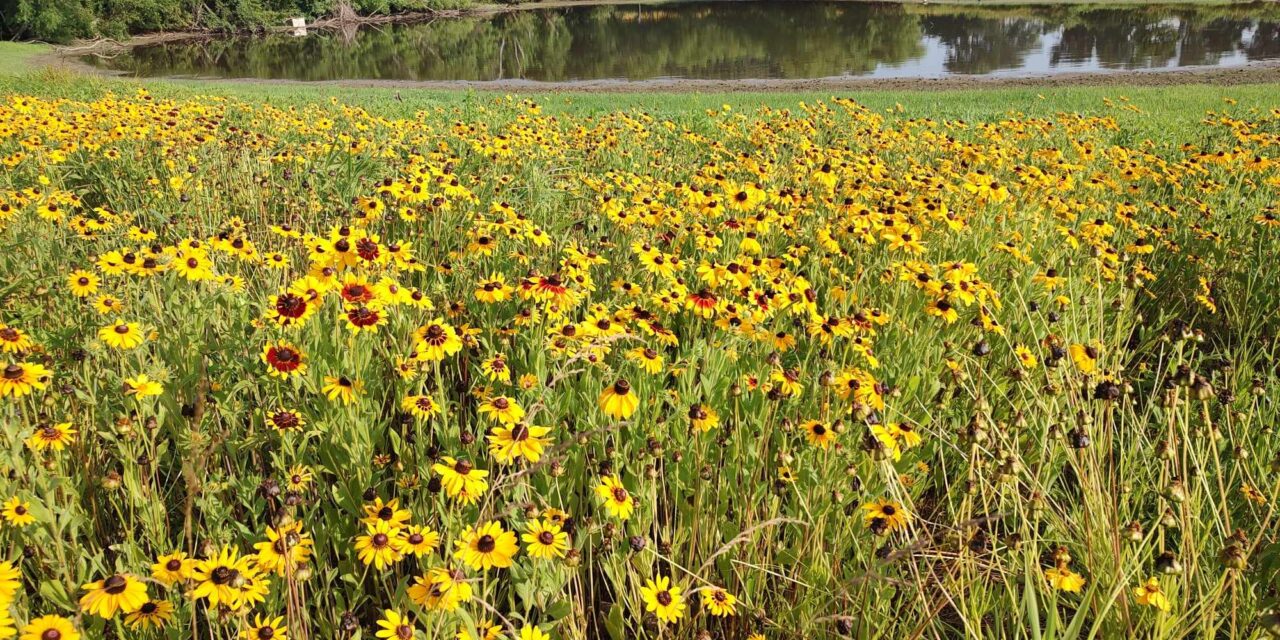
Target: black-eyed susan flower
x=484 y=630
x=496 y=369
x=121 y=335
x=663 y=599
x=342 y=388
x=1025 y=356
x=545 y=539
x=14 y=340
x=486 y=546
x=493 y=289
x=17 y=512
x=502 y=409
x=153 y=614
x=50 y=627
x=83 y=283
x=389 y=512
x=617 y=500
x=106 y=305
x=142 y=386
x=55 y=437
x=21 y=378
x=173 y=568
x=118 y=593
x=395 y=626
x=10 y=581
x=1063 y=578
x=618 y=401
x=286 y=549
x=420 y=406
x=718 y=602
x=290 y=309
x=1085 y=357
x=507 y=444
x=885 y=516
x=364 y=317
x=299 y=478
x=530 y=632
x=703 y=418
x=648 y=359
x=818 y=433
x=266 y=628
x=787 y=381
x=420 y=540
x=441 y=588
x=435 y=341
x=285 y=420
x=284 y=360
x=380 y=545
x=223 y=579
x=1149 y=594
x=461 y=480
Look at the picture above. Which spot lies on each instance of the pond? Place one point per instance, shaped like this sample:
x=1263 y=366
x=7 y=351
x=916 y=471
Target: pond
x=738 y=40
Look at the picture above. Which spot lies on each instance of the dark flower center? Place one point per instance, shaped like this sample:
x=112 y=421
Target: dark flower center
x=546 y=537
x=485 y=544
x=222 y=575
x=13 y=372
x=291 y=306
x=285 y=420
x=380 y=540
x=663 y=598
x=115 y=584
x=622 y=387
x=362 y=316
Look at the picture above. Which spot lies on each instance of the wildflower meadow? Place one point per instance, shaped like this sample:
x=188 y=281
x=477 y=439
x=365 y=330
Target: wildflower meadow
x=504 y=369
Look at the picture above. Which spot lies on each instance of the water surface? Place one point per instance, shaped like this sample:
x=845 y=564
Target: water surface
x=739 y=40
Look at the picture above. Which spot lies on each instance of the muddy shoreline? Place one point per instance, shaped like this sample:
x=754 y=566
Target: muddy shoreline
x=1267 y=72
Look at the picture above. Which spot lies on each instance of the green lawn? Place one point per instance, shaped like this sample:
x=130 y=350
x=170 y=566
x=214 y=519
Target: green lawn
x=18 y=57
x=1168 y=111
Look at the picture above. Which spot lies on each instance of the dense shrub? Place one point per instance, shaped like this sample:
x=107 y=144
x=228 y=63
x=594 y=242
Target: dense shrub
x=65 y=20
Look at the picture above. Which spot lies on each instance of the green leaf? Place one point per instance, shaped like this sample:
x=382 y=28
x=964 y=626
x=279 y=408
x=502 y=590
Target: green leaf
x=614 y=625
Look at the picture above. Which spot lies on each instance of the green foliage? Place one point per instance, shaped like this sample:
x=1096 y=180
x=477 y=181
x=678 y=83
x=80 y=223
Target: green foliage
x=66 y=20
x=54 y=20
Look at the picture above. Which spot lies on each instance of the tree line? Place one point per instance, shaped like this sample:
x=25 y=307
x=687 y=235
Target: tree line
x=66 y=20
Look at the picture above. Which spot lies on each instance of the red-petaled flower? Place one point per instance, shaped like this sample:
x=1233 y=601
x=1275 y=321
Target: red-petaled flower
x=283 y=359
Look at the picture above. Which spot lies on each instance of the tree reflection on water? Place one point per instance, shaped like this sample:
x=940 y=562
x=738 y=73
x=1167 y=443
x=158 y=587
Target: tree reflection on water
x=738 y=40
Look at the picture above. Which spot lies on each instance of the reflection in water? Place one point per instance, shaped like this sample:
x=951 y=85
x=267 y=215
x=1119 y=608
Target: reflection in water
x=735 y=40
